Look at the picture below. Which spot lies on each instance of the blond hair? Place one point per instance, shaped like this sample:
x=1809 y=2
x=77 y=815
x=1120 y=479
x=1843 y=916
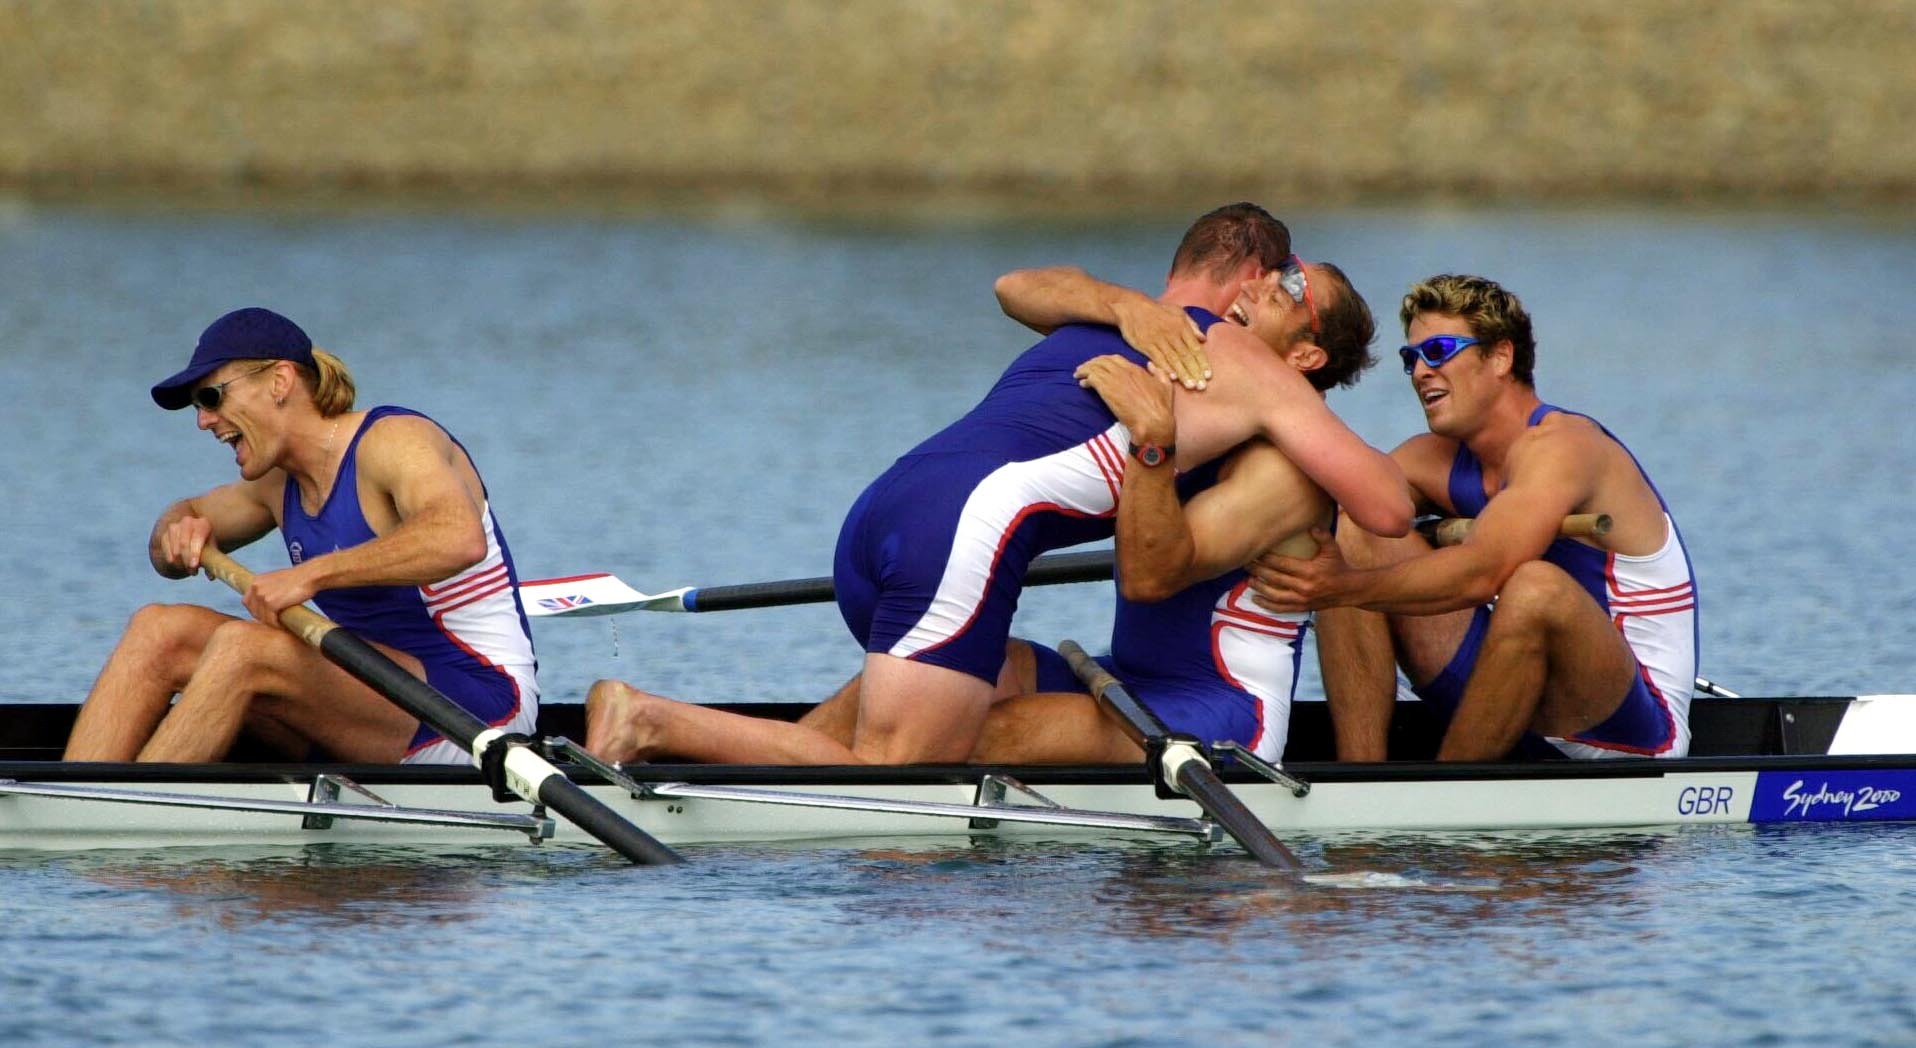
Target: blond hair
x=1492 y=313
x=330 y=384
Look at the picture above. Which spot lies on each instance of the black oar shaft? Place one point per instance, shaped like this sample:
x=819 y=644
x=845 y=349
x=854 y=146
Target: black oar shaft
x=760 y=595
x=1056 y=569
x=527 y=773
x=353 y=654
x=1202 y=785
x=1189 y=772
x=1053 y=569
x=1134 y=718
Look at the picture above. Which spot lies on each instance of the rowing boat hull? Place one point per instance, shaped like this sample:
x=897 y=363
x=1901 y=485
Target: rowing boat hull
x=1343 y=798
x=48 y=804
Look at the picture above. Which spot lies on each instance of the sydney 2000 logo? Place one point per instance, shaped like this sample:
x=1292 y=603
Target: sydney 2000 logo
x=1800 y=802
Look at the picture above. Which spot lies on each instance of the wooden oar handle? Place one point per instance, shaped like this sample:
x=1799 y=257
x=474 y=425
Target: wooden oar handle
x=303 y=622
x=1452 y=530
x=1136 y=722
x=1089 y=670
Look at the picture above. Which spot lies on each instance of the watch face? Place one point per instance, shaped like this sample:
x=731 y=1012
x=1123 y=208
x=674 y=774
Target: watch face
x=1150 y=454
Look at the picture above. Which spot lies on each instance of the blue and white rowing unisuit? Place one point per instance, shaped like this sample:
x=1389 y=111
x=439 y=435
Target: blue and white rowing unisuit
x=469 y=630
x=932 y=557
x=1207 y=661
x=1652 y=601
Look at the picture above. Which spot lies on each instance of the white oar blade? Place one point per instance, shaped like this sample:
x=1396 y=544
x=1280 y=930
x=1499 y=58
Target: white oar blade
x=1877 y=724
x=600 y=594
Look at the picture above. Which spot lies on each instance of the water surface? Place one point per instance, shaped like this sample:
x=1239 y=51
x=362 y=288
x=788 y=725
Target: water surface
x=696 y=399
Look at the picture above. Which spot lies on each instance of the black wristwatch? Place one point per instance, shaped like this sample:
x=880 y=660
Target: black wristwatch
x=1153 y=454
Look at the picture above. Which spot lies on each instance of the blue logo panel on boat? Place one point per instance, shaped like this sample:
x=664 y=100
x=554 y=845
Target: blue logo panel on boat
x=1834 y=796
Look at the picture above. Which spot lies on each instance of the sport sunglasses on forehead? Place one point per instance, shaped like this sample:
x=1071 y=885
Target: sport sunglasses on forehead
x=1435 y=351
x=211 y=397
x=1290 y=277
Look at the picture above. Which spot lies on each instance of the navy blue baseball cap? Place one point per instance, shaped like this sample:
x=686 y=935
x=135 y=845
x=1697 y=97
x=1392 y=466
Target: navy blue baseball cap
x=244 y=334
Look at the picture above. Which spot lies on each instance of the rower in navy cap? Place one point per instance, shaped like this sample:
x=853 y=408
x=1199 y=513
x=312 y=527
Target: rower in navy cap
x=389 y=531
x=244 y=334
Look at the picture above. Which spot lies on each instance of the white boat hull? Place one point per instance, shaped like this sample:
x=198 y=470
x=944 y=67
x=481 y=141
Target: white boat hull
x=1764 y=761
x=107 y=819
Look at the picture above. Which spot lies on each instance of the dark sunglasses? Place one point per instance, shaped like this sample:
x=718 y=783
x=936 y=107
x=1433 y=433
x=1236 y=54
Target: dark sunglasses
x=1290 y=277
x=1435 y=351
x=211 y=397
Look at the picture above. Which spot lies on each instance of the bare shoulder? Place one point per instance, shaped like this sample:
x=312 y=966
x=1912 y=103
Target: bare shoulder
x=1250 y=377
x=1565 y=425
x=1235 y=336
x=397 y=449
x=403 y=434
x=1235 y=348
x=1558 y=440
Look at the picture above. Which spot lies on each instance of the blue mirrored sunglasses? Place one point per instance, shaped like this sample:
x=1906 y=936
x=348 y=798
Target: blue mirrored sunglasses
x=1435 y=351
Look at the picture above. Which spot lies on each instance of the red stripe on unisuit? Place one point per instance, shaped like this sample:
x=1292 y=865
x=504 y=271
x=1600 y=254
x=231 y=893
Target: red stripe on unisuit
x=1104 y=452
x=473 y=598
x=454 y=591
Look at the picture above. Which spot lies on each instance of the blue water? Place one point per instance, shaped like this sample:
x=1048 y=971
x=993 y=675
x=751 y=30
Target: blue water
x=1732 y=936
x=695 y=399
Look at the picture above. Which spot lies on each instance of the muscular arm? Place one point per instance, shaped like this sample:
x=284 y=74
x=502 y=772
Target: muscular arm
x=424 y=506
x=1260 y=499
x=229 y=516
x=417 y=469
x=1046 y=299
x=1550 y=473
x=1258 y=394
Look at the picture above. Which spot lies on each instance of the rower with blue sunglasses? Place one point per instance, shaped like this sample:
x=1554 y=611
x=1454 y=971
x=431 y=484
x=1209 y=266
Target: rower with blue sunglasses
x=1526 y=642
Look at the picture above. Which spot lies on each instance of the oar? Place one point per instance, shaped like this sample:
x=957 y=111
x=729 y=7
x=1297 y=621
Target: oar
x=1452 y=530
x=526 y=773
x=1180 y=761
x=603 y=594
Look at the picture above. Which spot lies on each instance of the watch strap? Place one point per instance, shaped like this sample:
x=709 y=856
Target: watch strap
x=1153 y=454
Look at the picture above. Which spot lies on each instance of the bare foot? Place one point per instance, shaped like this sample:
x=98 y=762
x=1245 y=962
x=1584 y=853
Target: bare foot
x=616 y=725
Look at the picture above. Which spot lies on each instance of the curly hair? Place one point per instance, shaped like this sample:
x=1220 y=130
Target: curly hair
x=1493 y=314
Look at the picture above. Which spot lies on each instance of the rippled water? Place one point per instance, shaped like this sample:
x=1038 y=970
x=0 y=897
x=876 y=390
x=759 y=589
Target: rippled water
x=696 y=399
x=1723 y=937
